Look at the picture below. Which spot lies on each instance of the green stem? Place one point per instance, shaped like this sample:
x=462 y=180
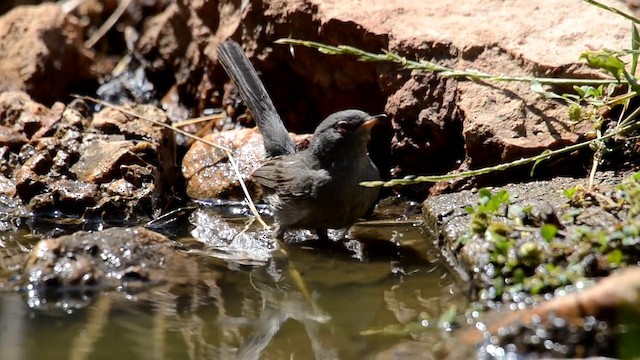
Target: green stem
x=613 y=10
x=433 y=67
x=500 y=167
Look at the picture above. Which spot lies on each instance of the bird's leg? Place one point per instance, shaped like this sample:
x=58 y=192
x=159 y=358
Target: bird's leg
x=278 y=232
x=322 y=234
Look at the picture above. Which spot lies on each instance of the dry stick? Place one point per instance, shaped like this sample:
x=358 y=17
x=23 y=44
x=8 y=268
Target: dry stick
x=293 y=270
x=227 y=151
x=198 y=119
x=117 y=13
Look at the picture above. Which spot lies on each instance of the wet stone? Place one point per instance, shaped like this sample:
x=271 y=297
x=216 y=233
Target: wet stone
x=446 y=218
x=11 y=138
x=103 y=259
x=101 y=160
x=64 y=159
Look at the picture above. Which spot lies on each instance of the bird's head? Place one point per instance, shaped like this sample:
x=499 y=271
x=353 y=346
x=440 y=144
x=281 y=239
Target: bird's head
x=344 y=133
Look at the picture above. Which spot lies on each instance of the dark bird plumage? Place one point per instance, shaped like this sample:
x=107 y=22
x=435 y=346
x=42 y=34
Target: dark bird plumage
x=317 y=188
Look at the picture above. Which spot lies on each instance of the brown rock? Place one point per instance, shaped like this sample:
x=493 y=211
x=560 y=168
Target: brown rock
x=161 y=154
x=104 y=258
x=208 y=172
x=101 y=160
x=437 y=124
x=22 y=114
x=612 y=296
x=30 y=177
x=7 y=187
x=113 y=121
x=11 y=138
x=116 y=167
x=45 y=58
x=74 y=196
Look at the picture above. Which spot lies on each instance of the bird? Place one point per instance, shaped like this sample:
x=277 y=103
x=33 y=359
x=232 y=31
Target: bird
x=317 y=188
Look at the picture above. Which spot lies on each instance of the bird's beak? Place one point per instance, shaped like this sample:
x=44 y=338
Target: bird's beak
x=374 y=119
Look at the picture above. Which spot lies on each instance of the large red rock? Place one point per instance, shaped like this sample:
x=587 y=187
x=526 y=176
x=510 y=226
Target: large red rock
x=438 y=125
x=42 y=52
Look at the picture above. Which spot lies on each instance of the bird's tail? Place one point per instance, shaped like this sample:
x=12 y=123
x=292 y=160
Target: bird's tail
x=275 y=136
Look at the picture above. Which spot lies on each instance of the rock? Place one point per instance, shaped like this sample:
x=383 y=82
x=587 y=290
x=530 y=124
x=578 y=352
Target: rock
x=20 y=113
x=83 y=264
x=63 y=161
x=45 y=58
x=101 y=160
x=442 y=124
x=112 y=121
x=473 y=254
x=595 y=312
x=11 y=138
x=210 y=175
x=7 y=187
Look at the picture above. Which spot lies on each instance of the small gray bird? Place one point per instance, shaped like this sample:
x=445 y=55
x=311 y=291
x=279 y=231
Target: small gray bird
x=317 y=188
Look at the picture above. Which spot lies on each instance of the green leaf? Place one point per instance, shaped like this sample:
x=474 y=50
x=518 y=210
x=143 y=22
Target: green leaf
x=536 y=286
x=633 y=82
x=548 y=231
x=575 y=113
x=535 y=164
x=494 y=203
x=469 y=209
x=484 y=192
x=615 y=257
x=519 y=276
x=448 y=317
x=570 y=192
x=537 y=88
x=604 y=60
x=635 y=45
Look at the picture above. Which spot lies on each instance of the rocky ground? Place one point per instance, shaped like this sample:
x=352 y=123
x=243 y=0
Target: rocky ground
x=75 y=161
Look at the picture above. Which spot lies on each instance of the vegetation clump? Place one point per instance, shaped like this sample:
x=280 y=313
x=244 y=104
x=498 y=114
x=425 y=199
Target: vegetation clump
x=528 y=253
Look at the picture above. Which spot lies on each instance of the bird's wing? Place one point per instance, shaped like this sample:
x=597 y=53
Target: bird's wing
x=289 y=178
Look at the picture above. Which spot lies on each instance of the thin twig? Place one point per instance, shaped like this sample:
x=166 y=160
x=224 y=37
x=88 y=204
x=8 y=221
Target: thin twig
x=117 y=13
x=199 y=119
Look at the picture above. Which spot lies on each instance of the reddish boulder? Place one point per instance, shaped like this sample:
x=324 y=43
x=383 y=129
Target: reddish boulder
x=438 y=124
x=46 y=58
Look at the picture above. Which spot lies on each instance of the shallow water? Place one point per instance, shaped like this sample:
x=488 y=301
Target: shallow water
x=364 y=299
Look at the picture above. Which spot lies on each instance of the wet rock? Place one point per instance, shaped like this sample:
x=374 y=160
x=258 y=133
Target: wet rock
x=210 y=175
x=11 y=138
x=7 y=186
x=101 y=160
x=524 y=253
x=107 y=167
x=39 y=56
x=570 y=322
x=117 y=257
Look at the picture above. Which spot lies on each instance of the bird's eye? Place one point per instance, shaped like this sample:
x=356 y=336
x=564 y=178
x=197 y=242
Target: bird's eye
x=343 y=127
